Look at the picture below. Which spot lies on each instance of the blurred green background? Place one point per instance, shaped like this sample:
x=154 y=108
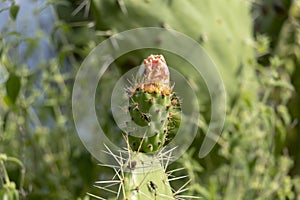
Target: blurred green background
x=255 y=45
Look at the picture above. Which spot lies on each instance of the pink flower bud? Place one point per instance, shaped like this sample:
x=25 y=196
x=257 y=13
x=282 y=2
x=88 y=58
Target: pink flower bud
x=156 y=71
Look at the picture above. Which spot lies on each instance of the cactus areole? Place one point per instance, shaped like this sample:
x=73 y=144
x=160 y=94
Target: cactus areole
x=152 y=103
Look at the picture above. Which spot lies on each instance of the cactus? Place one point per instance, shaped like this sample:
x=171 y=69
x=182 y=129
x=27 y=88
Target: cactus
x=146 y=179
x=143 y=176
x=152 y=104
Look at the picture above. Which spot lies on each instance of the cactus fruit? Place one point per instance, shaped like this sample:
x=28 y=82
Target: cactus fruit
x=152 y=103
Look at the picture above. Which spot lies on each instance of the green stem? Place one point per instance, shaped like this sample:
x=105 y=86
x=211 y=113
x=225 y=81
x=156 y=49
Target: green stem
x=6 y=178
x=18 y=162
x=15 y=160
x=3 y=158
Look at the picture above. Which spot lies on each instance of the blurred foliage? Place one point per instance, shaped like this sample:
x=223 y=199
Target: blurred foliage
x=288 y=49
x=269 y=17
x=279 y=22
x=36 y=125
x=40 y=154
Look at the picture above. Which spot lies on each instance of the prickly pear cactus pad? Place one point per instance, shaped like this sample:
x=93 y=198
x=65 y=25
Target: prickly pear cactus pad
x=152 y=103
x=145 y=178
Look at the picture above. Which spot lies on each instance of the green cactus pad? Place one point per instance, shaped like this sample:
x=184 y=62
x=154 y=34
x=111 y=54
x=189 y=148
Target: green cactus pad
x=161 y=113
x=140 y=104
x=145 y=178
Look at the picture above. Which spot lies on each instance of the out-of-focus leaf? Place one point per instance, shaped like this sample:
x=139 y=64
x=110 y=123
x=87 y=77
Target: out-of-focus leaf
x=13 y=85
x=13 y=11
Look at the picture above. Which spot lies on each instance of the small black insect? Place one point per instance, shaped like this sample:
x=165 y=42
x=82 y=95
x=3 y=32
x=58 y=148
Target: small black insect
x=146 y=117
x=152 y=185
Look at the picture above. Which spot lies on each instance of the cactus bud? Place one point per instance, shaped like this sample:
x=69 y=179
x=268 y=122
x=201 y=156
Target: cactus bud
x=154 y=91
